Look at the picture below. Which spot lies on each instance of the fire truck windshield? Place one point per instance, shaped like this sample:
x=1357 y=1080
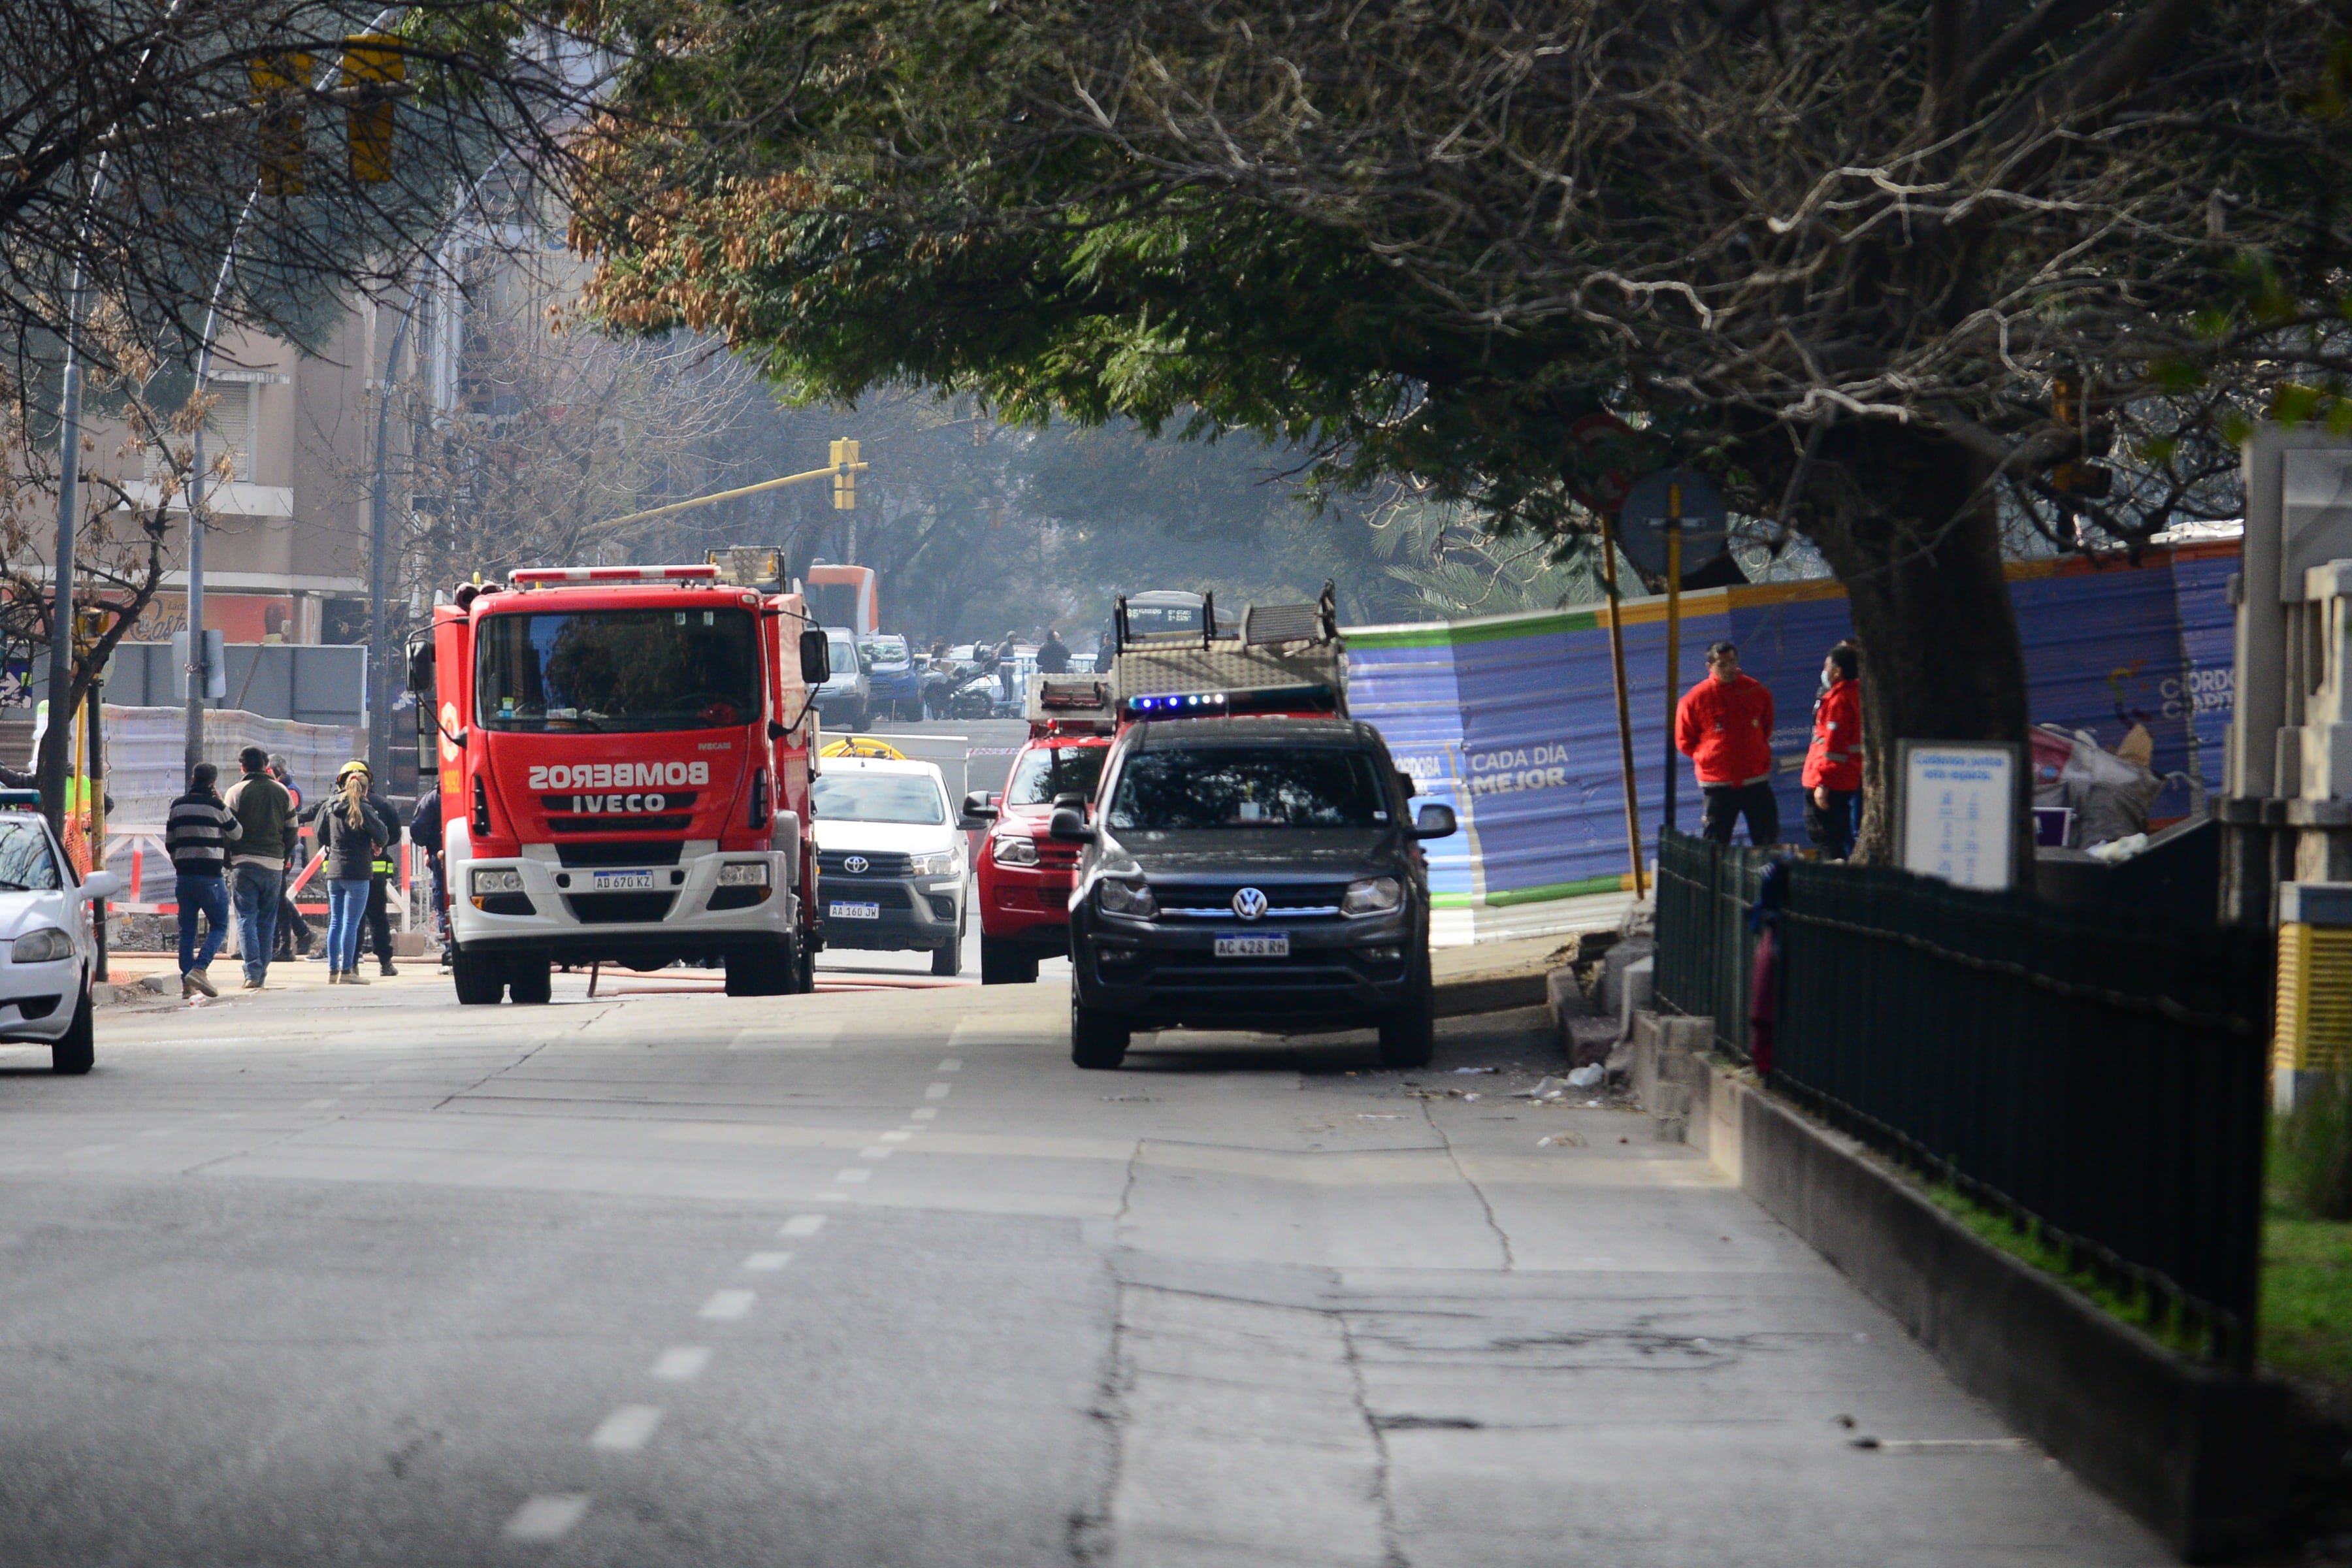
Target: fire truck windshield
x=600 y=670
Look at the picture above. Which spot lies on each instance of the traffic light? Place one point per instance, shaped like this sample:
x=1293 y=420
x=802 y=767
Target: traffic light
x=372 y=59
x=844 y=476
x=278 y=82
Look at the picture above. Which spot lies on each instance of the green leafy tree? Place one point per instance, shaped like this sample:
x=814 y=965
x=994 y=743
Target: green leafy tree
x=1873 y=264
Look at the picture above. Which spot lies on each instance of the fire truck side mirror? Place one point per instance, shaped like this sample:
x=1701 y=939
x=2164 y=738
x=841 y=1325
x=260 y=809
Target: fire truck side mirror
x=420 y=684
x=816 y=657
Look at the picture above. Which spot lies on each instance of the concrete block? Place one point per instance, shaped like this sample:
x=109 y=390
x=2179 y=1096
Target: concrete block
x=1609 y=996
x=1637 y=987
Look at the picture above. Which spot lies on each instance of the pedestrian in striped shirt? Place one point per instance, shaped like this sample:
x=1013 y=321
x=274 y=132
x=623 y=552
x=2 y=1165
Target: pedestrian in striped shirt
x=196 y=835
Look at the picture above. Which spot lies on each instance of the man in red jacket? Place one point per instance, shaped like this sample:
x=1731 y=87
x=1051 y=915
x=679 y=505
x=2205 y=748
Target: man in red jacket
x=1833 y=762
x=1724 y=725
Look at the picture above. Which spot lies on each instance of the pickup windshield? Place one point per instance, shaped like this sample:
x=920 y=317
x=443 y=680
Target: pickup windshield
x=846 y=796
x=600 y=670
x=1248 y=786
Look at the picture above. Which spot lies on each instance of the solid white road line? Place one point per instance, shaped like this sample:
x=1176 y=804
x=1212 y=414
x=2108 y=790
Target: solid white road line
x=929 y=1113
x=938 y=1091
x=627 y=1429
x=803 y=1224
x=767 y=1262
x=851 y=1178
x=680 y=1363
x=725 y=1305
x=547 y=1518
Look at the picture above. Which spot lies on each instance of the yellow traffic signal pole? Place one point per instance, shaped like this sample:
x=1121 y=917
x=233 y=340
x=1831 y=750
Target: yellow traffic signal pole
x=843 y=470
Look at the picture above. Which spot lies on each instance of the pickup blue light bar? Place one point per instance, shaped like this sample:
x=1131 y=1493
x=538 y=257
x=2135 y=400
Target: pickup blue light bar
x=1319 y=699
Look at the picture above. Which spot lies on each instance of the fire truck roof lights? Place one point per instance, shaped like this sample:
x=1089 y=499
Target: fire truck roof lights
x=533 y=576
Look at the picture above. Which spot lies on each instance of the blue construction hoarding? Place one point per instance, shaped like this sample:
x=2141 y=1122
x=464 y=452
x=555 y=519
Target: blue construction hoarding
x=1512 y=719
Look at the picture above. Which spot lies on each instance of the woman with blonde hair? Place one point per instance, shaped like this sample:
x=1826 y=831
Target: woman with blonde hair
x=350 y=829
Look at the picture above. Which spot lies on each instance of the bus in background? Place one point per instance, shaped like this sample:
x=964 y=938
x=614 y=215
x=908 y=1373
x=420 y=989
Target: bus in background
x=843 y=596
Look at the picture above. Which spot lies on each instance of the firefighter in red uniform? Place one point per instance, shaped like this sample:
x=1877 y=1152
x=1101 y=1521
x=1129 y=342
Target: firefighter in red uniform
x=1833 y=762
x=1724 y=725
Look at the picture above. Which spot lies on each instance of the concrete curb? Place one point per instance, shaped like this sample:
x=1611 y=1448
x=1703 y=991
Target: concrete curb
x=1460 y=995
x=127 y=993
x=2199 y=1455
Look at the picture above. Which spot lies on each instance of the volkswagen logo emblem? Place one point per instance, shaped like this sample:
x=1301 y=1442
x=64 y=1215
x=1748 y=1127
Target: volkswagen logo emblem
x=1249 y=903
x=855 y=865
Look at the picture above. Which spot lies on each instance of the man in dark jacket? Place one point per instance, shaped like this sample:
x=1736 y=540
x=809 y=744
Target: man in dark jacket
x=197 y=833
x=425 y=827
x=1053 y=654
x=293 y=931
x=386 y=867
x=266 y=841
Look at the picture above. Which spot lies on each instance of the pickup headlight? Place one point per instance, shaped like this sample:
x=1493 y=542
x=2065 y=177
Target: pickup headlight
x=1132 y=899
x=496 y=880
x=1372 y=896
x=940 y=865
x=1014 y=849
x=45 y=945
x=743 y=874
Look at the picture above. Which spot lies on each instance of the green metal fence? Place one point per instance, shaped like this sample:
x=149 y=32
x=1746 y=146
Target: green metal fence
x=1704 y=893
x=2096 y=1074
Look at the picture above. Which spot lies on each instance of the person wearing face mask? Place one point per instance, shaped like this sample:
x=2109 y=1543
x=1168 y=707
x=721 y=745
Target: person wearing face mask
x=1833 y=777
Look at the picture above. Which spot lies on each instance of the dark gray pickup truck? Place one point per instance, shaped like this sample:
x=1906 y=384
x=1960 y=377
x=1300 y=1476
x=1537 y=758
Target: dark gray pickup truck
x=1251 y=873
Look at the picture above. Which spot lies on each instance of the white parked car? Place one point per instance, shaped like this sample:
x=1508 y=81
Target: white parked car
x=890 y=858
x=48 y=943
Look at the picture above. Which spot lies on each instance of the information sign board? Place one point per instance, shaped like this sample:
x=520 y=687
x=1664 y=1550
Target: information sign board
x=1957 y=810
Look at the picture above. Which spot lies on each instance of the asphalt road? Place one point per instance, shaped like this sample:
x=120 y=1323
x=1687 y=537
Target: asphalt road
x=875 y=1278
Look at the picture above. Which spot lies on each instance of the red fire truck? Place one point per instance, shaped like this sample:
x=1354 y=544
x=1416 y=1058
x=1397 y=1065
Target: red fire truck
x=624 y=762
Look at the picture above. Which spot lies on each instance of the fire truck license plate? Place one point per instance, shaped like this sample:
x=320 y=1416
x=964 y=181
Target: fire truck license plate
x=854 y=912
x=1270 y=945
x=625 y=881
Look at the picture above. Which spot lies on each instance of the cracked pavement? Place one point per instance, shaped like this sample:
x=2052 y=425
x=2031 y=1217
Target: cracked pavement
x=880 y=1278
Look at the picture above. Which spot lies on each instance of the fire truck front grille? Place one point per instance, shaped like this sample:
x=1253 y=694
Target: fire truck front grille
x=632 y=852
x=619 y=909
x=675 y=823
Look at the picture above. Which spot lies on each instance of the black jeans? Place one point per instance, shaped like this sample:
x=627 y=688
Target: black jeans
x=1831 y=826
x=379 y=917
x=1727 y=802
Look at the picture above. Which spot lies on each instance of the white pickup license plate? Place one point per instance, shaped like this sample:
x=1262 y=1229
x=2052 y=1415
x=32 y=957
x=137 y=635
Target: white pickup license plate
x=1263 y=944
x=623 y=882
x=853 y=911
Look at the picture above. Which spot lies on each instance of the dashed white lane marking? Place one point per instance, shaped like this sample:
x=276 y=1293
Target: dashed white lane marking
x=627 y=1429
x=159 y=1133
x=767 y=1262
x=725 y=1305
x=938 y=1091
x=954 y=1064
x=833 y=1197
x=317 y=1104
x=547 y=1518
x=851 y=1178
x=876 y=1153
x=350 y=1087
x=803 y=1224
x=899 y=1137
x=680 y=1363
x=929 y=1113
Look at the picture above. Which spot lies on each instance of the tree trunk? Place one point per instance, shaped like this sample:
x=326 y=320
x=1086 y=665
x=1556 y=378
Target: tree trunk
x=1909 y=523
